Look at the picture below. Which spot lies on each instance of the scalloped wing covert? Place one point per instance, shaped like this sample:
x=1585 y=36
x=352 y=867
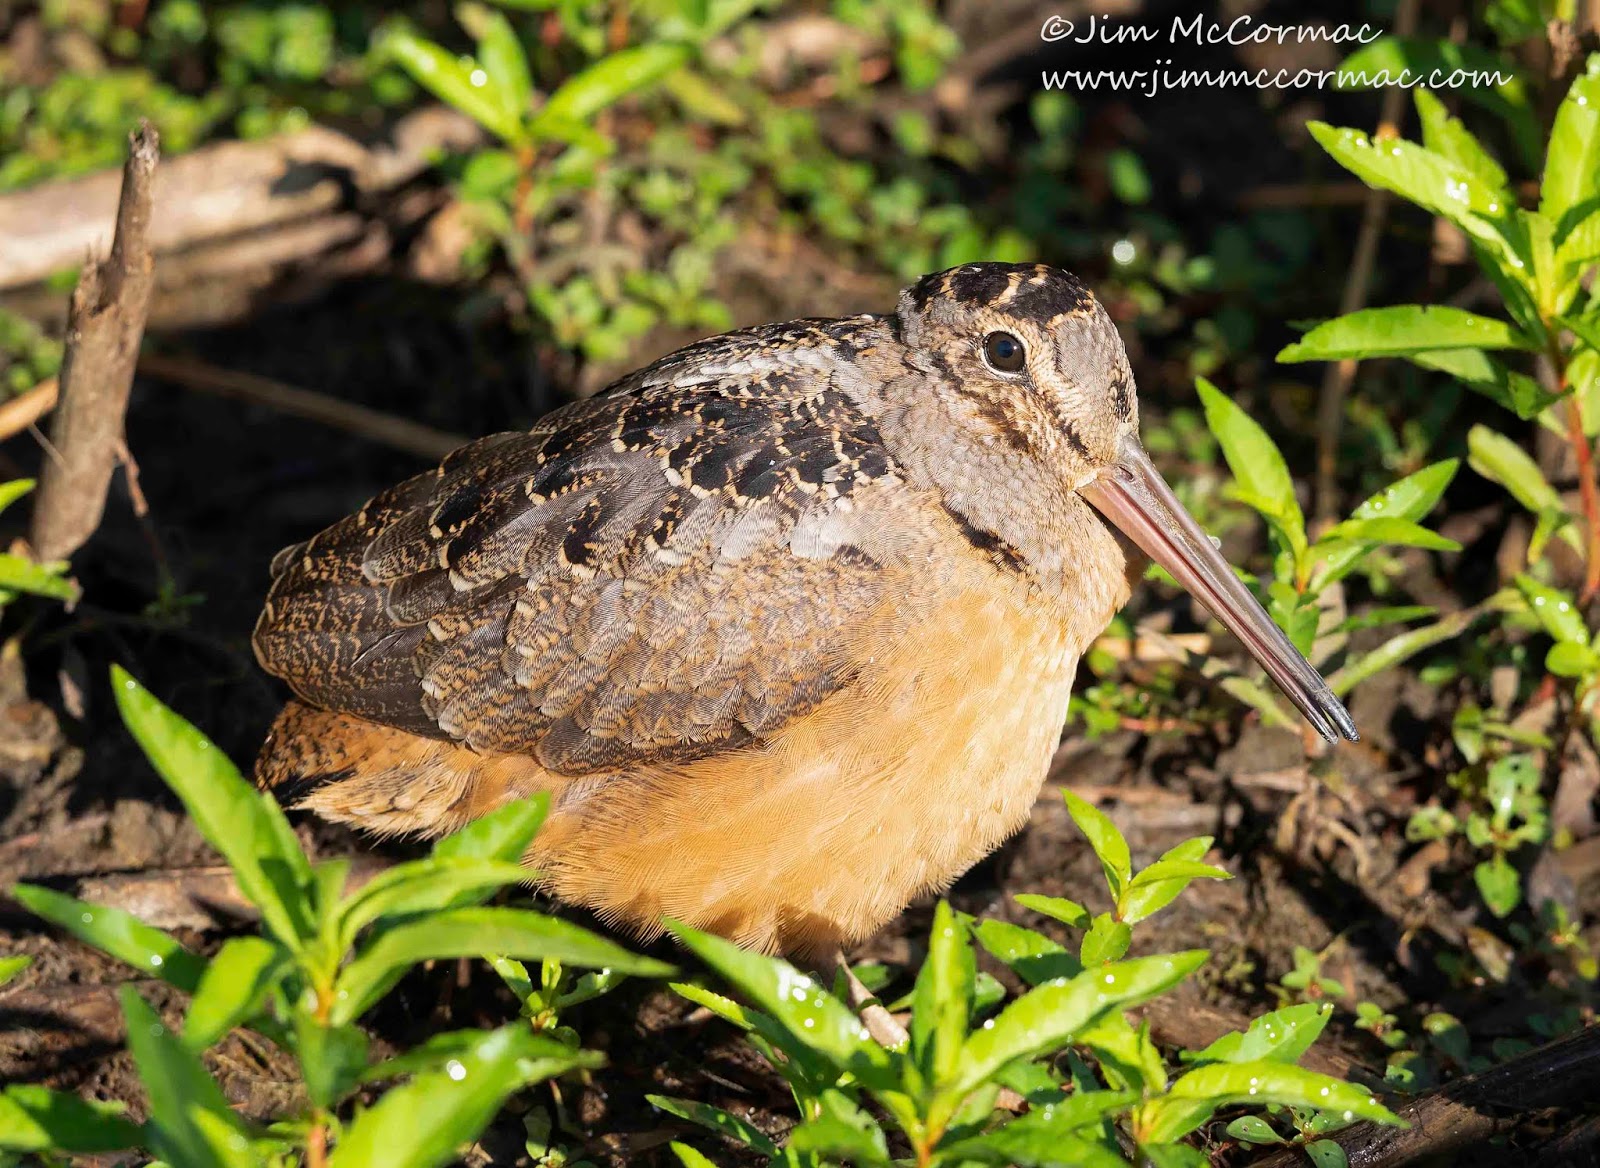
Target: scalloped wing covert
x=672 y=568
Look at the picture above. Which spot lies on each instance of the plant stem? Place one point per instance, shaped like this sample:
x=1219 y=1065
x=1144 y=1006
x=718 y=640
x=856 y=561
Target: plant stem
x=1583 y=453
x=317 y=1144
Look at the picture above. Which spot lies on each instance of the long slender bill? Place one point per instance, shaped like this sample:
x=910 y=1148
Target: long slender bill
x=1133 y=495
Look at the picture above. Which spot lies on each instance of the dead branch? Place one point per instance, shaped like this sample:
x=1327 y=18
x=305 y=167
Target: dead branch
x=104 y=327
x=1468 y=1112
x=246 y=191
x=412 y=437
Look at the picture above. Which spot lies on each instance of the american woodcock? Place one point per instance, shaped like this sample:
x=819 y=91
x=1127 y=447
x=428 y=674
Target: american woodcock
x=786 y=622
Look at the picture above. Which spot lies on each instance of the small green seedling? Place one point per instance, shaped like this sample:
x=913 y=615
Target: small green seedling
x=940 y=1091
x=1304 y=570
x=324 y=957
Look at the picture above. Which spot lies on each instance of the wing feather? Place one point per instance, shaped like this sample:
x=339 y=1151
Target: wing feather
x=671 y=569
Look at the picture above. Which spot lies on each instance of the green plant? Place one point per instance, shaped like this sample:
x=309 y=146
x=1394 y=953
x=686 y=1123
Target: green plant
x=1536 y=259
x=1065 y=1045
x=324 y=957
x=1305 y=570
x=21 y=573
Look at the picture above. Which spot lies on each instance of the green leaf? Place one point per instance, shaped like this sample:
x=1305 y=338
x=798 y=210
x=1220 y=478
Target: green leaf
x=502 y=58
x=503 y=834
x=1429 y=180
x=942 y=1000
x=1178 y=869
x=421 y=886
x=1555 y=610
x=1326 y=1154
x=426 y=1121
x=10 y=967
x=1032 y=956
x=1391 y=530
x=1159 y=885
x=1031 y=1145
x=36 y=1119
x=1411 y=497
x=247 y=827
x=469 y=932
x=1447 y=136
x=233 y=988
x=1401 y=330
x=1280 y=1037
x=1506 y=99
x=1258 y=468
x=1579 y=248
x=1194 y=1097
x=463 y=85
x=724 y=1123
x=542 y=1058
x=841 y=1129
x=725 y=1008
x=1587 y=331
x=1572 y=163
x=702 y=100
x=1566 y=659
x=20 y=574
x=121 y=934
x=811 y=1016
x=1482 y=374
x=1105 y=839
x=1046 y=1018
x=1050 y=1134
x=11 y=491
x=1252 y=1129
x=1068 y=912
x=190 y=1123
x=607 y=82
x=332 y=1058
x=1499 y=884
x=690 y=1158
x=1401 y=647
x=1107 y=940
x=1500 y=460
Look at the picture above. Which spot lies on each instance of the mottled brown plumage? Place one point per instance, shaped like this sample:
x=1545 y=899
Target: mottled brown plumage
x=785 y=622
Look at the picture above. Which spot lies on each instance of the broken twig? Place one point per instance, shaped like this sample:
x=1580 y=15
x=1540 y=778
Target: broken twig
x=104 y=327
x=412 y=437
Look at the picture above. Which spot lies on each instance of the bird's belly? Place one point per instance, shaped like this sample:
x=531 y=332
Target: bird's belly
x=891 y=788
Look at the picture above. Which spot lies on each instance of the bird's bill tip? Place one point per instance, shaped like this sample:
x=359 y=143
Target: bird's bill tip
x=1132 y=494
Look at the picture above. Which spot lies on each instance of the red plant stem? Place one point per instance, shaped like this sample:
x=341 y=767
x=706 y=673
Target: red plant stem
x=317 y=1146
x=1588 y=491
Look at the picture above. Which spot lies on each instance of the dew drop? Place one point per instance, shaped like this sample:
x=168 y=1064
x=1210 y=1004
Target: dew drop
x=810 y=1023
x=155 y=959
x=87 y=918
x=1349 y=1115
x=455 y=1070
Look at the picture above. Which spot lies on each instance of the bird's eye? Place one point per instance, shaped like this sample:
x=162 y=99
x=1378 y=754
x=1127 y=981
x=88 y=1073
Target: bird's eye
x=1004 y=353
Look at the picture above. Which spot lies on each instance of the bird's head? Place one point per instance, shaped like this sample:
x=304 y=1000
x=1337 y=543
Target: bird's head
x=1029 y=371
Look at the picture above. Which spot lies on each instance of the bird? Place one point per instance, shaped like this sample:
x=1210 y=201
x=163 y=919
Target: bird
x=785 y=623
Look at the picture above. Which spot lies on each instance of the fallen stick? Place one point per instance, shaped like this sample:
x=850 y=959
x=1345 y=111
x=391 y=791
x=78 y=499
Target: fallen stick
x=104 y=328
x=1466 y=1113
x=22 y=411
x=412 y=437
